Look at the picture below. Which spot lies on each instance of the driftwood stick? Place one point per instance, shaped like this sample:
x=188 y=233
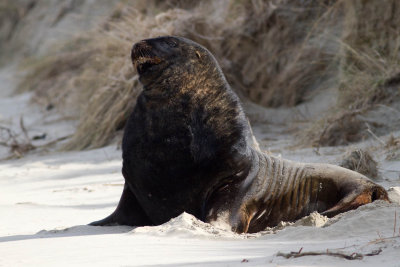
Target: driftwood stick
x=353 y=256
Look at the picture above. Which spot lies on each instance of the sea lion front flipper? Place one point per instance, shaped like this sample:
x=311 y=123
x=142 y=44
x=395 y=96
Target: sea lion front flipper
x=128 y=212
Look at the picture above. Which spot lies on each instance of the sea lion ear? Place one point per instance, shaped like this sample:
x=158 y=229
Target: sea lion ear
x=198 y=54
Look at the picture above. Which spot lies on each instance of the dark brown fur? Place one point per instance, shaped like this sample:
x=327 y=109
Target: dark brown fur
x=187 y=147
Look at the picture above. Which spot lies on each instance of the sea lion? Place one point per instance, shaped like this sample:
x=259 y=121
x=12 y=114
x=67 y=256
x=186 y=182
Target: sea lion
x=187 y=147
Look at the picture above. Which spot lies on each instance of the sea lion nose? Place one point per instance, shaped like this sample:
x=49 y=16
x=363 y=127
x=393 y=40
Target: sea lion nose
x=139 y=48
x=139 y=45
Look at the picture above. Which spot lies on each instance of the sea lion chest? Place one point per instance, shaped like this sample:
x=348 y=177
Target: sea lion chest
x=157 y=160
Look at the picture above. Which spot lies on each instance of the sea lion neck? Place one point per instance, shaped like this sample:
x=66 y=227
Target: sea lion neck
x=192 y=88
x=198 y=104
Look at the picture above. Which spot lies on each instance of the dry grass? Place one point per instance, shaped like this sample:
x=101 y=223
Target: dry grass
x=392 y=147
x=369 y=72
x=53 y=76
x=293 y=47
x=342 y=128
x=9 y=16
x=11 y=12
x=274 y=52
x=371 y=53
x=362 y=162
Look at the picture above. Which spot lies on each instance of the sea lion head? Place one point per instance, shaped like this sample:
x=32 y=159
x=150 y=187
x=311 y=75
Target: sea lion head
x=171 y=57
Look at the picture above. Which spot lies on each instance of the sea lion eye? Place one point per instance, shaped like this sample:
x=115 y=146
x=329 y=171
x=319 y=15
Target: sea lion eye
x=171 y=43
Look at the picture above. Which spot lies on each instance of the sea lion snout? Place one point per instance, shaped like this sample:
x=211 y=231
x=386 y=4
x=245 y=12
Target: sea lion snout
x=160 y=47
x=143 y=57
x=140 y=49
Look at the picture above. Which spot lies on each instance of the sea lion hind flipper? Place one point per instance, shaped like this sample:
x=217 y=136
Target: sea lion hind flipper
x=128 y=212
x=356 y=199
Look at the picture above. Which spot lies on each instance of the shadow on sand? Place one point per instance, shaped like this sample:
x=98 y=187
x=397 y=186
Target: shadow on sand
x=79 y=230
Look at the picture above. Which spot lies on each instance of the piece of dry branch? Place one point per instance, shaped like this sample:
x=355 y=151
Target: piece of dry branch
x=18 y=145
x=352 y=256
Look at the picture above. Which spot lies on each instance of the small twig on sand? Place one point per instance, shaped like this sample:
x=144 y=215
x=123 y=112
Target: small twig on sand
x=379 y=234
x=395 y=222
x=374 y=135
x=381 y=240
x=18 y=145
x=54 y=141
x=353 y=256
x=389 y=108
x=24 y=131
